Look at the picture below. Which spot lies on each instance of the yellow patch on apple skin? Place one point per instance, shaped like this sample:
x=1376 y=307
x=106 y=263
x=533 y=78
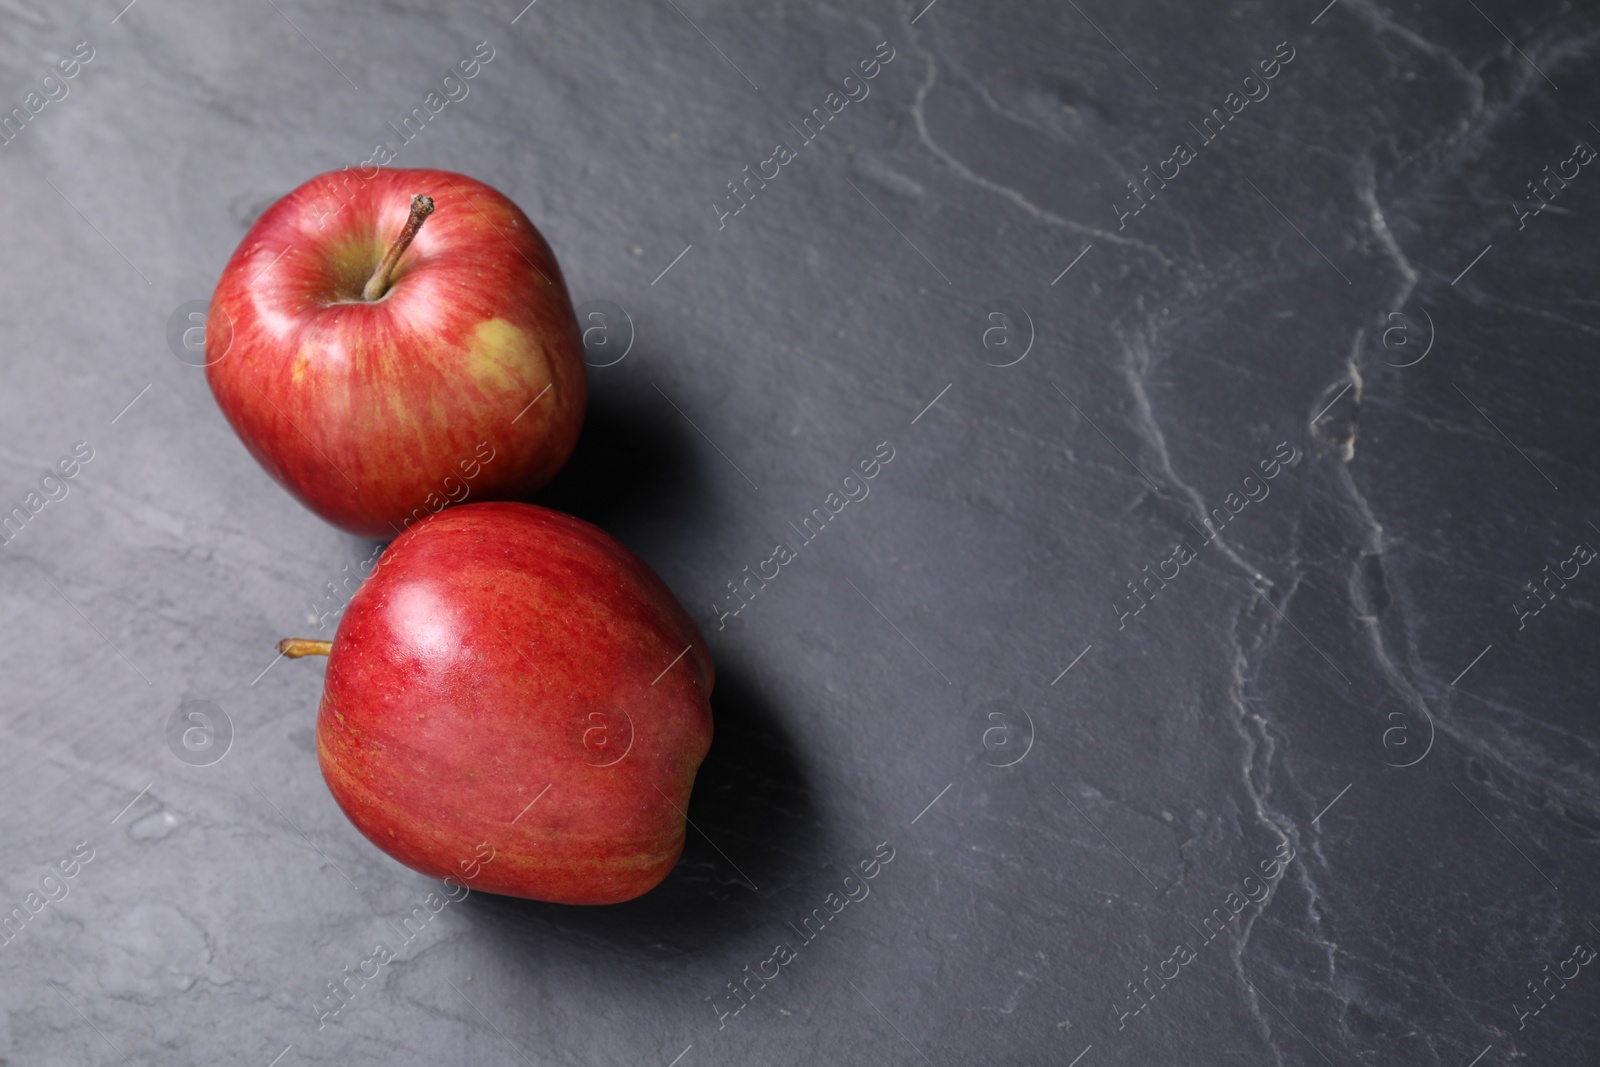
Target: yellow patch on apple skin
x=302 y=360
x=499 y=356
x=399 y=410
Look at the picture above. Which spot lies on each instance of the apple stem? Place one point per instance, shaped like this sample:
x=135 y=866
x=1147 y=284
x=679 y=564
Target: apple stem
x=295 y=647
x=378 y=284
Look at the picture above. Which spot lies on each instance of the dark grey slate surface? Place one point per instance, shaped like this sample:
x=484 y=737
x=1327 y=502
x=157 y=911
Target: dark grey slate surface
x=1341 y=675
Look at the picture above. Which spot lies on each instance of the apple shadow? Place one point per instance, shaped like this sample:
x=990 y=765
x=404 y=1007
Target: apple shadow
x=755 y=829
x=631 y=467
x=631 y=463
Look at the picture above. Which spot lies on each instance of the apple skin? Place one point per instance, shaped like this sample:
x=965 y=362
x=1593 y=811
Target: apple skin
x=364 y=409
x=464 y=679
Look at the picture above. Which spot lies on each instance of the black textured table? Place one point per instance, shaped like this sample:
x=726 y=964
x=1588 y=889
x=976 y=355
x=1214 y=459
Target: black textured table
x=1206 y=676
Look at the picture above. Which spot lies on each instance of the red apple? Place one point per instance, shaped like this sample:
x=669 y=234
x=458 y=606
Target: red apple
x=511 y=682
x=381 y=362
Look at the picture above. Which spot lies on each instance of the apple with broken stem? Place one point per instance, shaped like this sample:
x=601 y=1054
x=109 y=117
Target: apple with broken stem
x=513 y=675
x=370 y=338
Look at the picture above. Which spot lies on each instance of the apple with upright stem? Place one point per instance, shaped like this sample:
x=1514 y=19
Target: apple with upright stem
x=386 y=347
x=512 y=677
